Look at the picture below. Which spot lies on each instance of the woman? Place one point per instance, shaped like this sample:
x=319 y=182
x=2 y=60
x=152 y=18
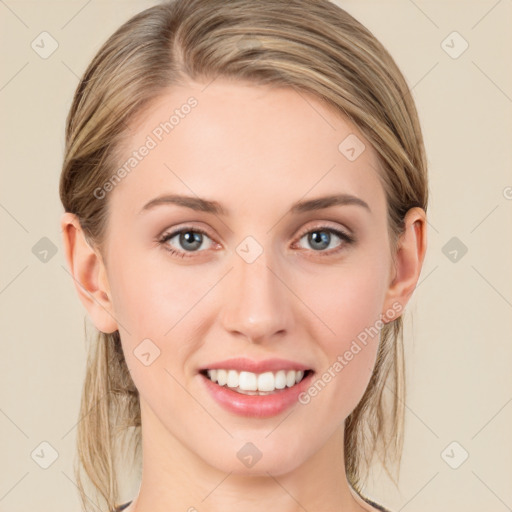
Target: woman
x=245 y=194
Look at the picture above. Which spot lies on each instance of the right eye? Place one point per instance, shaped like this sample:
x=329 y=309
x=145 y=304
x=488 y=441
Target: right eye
x=187 y=240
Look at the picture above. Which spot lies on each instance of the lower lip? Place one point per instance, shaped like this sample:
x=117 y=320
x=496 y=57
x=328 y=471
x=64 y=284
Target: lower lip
x=256 y=406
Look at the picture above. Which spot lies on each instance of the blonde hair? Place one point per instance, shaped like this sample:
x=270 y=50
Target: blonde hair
x=313 y=46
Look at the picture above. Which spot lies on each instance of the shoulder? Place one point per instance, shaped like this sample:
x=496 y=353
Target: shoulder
x=122 y=507
x=373 y=504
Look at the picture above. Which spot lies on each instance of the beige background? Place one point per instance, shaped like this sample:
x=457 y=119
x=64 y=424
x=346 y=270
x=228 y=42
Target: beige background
x=458 y=323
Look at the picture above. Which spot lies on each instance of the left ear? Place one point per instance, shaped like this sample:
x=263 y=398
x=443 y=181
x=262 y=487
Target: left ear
x=410 y=254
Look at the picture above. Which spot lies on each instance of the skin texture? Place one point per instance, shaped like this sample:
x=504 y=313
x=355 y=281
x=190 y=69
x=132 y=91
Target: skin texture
x=256 y=151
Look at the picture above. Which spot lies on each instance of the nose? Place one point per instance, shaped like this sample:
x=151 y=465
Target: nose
x=256 y=301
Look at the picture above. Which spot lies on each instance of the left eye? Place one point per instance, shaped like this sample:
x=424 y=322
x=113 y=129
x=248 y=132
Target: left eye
x=321 y=238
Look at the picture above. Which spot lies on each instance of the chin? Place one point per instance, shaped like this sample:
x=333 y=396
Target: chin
x=258 y=458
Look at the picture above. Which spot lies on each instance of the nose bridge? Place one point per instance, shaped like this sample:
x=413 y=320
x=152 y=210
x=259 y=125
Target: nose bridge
x=256 y=303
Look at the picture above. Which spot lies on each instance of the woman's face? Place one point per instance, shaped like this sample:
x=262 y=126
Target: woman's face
x=254 y=278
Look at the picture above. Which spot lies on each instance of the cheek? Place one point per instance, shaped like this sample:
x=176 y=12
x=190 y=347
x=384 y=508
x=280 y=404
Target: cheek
x=157 y=306
x=349 y=305
x=347 y=302
x=150 y=299
x=153 y=303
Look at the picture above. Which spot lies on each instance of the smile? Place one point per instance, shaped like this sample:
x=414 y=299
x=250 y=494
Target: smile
x=256 y=389
x=249 y=383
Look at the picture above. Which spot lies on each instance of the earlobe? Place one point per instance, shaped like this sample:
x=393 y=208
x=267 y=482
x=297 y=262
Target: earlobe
x=88 y=272
x=409 y=259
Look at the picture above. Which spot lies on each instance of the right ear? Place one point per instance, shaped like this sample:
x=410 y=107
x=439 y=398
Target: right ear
x=89 y=274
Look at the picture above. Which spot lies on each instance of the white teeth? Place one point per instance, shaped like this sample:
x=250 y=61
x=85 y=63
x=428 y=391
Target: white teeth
x=222 y=377
x=280 y=379
x=266 y=381
x=232 y=379
x=248 y=381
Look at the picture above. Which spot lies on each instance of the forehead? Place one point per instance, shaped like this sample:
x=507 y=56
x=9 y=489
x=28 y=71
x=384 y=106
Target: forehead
x=244 y=145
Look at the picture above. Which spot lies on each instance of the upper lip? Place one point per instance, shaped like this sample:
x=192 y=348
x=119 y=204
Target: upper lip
x=248 y=365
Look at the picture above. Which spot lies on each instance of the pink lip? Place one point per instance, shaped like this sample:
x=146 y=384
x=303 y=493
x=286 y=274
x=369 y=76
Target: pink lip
x=243 y=364
x=256 y=406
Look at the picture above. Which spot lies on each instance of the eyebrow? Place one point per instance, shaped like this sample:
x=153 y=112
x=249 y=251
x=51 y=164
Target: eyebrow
x=205 y=205
x=327 y=201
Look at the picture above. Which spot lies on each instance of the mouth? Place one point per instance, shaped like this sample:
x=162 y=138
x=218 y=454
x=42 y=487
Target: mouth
x=260 y=384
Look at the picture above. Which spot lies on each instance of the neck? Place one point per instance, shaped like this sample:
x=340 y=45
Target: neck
x=174 y=478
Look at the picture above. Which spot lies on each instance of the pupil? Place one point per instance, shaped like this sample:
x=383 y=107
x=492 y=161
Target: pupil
x=319 y=237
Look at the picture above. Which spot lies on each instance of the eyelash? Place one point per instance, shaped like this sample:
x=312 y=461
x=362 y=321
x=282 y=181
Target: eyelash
x=167 y=236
